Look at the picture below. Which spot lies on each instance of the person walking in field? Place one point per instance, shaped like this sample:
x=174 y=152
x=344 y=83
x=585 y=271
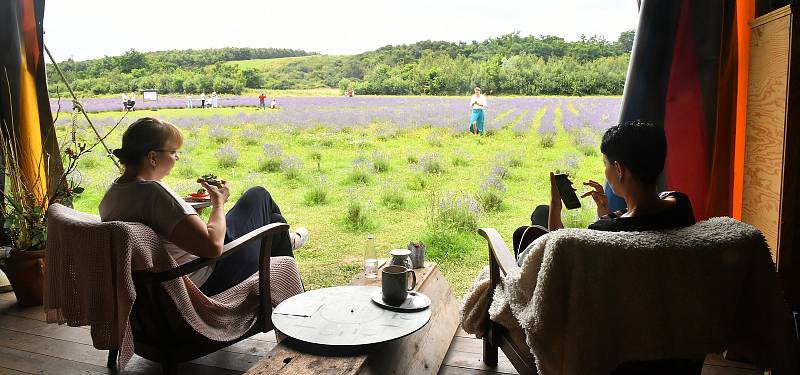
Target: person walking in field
x=478 y=104
x=203 y=100
x=261 y=101
x=189 y=103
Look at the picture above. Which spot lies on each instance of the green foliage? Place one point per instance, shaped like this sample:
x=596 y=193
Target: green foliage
x=431 y=164
x=459 y=212
x=547 y=140
x=393 y=198
x=509 y=64
x=317 y=195
x=380 y=161
x=176 y=71
x=291 y=166
x=360 y=174
x=357 y=217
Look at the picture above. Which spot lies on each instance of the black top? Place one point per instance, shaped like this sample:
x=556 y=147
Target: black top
x=680 y=215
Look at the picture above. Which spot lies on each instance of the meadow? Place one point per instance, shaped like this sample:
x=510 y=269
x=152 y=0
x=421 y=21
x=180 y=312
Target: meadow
x=402 y=168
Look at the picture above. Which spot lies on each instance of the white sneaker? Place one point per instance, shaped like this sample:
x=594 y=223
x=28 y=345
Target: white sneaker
x=299 y=237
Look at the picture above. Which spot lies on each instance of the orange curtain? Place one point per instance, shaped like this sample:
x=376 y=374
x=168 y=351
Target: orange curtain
x=745 y=12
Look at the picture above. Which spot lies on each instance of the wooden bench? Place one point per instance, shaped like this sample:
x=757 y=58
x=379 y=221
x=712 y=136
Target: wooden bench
x=418 y=353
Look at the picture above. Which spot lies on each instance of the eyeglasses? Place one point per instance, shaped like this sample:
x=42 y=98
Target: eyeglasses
x=171 y=152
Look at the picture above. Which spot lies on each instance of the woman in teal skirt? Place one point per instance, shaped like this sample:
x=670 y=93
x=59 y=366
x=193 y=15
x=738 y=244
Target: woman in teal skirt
x=478 y=104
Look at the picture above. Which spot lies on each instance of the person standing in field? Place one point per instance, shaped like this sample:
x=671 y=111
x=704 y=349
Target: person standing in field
x=478 y=104
x=189 y=103
x=261 y=101
x=214 y=99
x=203 y=100
x=124 y=101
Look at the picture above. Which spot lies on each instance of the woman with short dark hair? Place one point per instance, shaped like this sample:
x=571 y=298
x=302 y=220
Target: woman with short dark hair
x=633 y=157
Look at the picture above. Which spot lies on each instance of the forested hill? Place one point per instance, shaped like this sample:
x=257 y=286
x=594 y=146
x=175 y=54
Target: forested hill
x=509 y=64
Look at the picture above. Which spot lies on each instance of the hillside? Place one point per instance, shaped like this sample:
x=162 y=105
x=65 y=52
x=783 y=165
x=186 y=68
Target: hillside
x=509 y=64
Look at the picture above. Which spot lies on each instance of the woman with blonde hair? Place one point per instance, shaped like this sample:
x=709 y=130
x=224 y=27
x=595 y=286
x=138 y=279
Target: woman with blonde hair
x=150 y=149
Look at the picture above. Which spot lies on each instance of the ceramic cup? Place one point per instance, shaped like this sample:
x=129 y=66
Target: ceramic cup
x=394 y=284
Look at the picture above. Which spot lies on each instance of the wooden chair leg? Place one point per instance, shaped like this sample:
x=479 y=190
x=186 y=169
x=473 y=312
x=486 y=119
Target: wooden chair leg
x=489 y=349
x=112 y=358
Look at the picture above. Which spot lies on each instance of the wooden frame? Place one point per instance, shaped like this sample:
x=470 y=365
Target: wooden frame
x=497 y=336
x=159 y=333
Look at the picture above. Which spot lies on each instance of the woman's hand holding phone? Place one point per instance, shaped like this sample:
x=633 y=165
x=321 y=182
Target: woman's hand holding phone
x=599 y=197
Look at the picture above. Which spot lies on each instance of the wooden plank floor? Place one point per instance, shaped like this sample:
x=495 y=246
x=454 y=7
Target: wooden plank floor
x=28 y=345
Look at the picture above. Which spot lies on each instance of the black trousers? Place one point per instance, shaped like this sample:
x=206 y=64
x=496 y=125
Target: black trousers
x=520 y=239
x=253 y=210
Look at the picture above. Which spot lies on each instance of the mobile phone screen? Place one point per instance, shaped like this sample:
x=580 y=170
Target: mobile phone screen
x=567 y=192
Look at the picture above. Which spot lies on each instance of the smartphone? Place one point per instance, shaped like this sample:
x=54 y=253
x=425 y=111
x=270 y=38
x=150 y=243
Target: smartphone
x=567 y=192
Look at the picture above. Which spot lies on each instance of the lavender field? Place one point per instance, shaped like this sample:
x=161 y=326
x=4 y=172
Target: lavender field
x=403 y=168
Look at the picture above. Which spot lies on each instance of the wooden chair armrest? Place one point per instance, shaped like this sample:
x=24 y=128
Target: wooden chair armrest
x=498 y=251
x=227 y=250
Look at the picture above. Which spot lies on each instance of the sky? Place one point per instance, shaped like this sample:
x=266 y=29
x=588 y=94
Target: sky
x=87 y=29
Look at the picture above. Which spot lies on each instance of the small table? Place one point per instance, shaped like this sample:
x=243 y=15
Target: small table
x=421 y=352
x=344 y=316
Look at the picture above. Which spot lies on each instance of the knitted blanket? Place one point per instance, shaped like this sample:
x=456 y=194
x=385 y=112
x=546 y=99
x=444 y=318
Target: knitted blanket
x=88 y=281
x=587 y=300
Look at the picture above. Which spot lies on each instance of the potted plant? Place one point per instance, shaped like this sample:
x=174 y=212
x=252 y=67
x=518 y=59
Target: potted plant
x=25 y=218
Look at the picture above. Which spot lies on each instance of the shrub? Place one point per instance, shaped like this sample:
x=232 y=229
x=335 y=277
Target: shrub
x=357 y=218
x=317 y=195
x=548 y=139
x=360 y=174
x=585 y=141
x=515 y=161
x=461 y=158
x=291 y=166
x=380 y=161
x=219 y=134
x=250 y=136
x=226 y=156
x=271 y=159
x=457 y=212
x=393 y=198
x=431 y=164
x=491 y=193
x=417 y=182
x=412 y=159
x=435 y=140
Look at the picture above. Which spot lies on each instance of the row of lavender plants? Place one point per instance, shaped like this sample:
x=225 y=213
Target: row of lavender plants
x=398 y=112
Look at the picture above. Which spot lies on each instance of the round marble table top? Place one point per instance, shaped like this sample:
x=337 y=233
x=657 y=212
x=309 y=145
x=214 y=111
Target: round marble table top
x=344 y=316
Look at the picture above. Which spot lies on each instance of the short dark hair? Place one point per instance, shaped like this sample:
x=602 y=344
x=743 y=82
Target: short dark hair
x=640 y=146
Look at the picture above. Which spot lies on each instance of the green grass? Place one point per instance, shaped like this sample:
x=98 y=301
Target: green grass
x=350 y=209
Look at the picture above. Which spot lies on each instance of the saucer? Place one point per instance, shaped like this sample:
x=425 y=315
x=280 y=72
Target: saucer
x=415 y=301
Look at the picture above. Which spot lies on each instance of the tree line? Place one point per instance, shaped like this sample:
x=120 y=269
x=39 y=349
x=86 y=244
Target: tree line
x=509 y=64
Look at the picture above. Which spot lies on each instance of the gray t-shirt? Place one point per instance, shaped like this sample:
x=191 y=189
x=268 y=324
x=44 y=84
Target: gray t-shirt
x=154 y=204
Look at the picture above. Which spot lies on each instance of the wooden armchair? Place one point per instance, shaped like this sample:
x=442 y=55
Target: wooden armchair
x=160 y=335
x=707 y=258
x=86 y=255
x=501 y=261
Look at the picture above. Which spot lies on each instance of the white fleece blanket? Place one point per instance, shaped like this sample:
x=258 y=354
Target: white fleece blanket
x=588 y=300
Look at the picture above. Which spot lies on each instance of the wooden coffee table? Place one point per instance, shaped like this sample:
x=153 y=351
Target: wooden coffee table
x=421 y=352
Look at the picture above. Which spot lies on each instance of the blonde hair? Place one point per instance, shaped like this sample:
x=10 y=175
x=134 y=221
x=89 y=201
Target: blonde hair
x=144 y=135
